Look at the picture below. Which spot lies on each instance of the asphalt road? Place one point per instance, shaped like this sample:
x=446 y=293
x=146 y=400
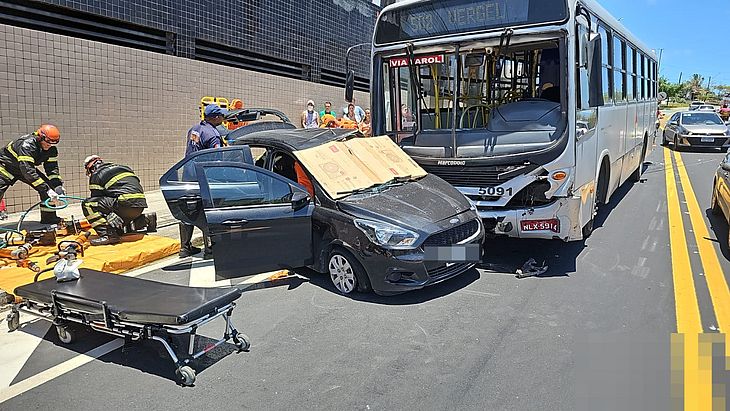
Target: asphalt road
x=593 y=333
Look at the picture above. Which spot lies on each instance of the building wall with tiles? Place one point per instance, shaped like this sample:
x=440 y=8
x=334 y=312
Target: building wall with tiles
x=126 y=105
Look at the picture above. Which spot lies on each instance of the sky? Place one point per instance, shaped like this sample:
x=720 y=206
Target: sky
x=690 y=32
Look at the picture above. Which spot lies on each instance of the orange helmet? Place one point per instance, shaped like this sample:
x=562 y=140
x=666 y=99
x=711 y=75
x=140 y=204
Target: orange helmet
x=49 y=133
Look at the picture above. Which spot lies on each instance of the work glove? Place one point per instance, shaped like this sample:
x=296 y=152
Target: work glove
x=53 y=197
x=60 y=190
x=114 y=221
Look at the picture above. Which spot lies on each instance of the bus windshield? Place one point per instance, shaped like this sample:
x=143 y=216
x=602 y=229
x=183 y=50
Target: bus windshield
x=513 y=97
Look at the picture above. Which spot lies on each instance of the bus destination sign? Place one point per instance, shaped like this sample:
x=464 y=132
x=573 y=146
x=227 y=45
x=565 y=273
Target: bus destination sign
x=433 y=19
x=396 y=62
x=467 y=17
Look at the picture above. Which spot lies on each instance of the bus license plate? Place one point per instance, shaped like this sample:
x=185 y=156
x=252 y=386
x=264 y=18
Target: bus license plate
x=707 y=139
x=541 y=225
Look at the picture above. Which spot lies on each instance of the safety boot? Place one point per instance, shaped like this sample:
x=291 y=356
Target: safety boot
x=105 y=236
x=151 y=222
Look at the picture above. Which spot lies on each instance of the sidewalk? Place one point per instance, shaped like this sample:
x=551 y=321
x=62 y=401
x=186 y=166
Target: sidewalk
x=166 y=223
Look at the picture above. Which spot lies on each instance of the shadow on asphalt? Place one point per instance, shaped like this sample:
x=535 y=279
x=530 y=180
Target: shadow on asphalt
x=147 y=356
x=719 y=227
x=412 y=297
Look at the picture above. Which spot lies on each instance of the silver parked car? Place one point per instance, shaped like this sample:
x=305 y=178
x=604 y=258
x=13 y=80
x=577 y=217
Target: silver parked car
x=696 y=128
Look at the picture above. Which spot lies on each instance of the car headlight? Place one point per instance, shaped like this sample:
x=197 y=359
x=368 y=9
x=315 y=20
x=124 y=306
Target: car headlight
x=386 y=235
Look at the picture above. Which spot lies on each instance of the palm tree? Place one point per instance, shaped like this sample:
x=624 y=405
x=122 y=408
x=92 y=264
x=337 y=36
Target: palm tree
x=695 y=85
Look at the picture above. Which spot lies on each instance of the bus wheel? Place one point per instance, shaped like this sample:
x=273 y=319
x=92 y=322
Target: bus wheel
x=636 y=176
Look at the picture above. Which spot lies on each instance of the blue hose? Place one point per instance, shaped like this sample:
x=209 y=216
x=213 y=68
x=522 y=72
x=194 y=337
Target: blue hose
x=63 y=200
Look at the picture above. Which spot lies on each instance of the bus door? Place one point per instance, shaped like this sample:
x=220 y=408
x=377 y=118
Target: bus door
x=586 y=119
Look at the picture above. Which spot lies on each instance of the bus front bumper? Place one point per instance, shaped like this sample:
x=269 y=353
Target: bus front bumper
x=557 y=220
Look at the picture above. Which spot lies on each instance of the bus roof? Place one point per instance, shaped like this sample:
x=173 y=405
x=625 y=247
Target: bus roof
x=591 y=5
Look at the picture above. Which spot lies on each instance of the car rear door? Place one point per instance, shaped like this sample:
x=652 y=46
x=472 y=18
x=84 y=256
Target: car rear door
x=258 y=221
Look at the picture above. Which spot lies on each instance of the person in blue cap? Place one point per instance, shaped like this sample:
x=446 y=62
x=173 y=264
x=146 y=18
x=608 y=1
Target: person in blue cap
x=201 y=136
x=205 y=134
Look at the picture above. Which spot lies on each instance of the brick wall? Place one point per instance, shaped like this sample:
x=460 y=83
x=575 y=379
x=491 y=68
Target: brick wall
x=126 y=105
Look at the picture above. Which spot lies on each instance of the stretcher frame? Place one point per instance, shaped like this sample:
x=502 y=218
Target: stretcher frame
x=66 y=308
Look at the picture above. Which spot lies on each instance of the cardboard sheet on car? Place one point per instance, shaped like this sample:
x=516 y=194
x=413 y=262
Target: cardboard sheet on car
x=343 y=166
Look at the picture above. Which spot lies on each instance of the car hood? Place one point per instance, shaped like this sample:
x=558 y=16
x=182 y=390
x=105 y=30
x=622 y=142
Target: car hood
x=417 y=204
x=705 y=129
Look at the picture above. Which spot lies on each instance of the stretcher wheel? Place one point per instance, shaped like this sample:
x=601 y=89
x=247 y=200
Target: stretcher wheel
x=65 y=334
x=243 y=343
x=13 y=320
x=186 y=375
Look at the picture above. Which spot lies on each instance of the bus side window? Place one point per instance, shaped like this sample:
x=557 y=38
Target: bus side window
x=607 y=64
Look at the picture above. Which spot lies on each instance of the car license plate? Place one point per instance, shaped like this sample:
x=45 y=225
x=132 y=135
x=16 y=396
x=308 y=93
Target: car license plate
x=707 y=139
x=541 y=225
x=453 y=253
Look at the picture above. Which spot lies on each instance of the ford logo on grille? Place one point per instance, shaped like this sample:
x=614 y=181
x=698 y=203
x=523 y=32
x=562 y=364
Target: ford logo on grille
x=454 y=220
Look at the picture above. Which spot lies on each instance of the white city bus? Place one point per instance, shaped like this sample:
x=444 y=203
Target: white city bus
x=537 y=110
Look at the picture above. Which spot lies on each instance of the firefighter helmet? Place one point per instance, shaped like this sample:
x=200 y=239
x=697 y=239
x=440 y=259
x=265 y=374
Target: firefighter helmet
x=91 y=162
x=49 y=133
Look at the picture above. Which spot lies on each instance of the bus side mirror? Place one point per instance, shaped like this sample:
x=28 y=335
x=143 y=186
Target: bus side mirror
x=595 y=77
x=349 y=85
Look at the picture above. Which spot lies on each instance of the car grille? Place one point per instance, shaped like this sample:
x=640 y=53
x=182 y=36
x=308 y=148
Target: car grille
x=453 y=235
x=476 y=176
x=446 y=271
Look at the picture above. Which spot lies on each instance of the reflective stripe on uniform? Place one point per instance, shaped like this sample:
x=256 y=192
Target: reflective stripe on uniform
x=95 y=187
x=10 y=149
x=98 y=222
x=52 y=159
x=89 y=205
x=5 y=173
x=117 y=178
x=130 y=196
x=52 y=176
x=37 y=182
x=26 y=158
x=93 y=216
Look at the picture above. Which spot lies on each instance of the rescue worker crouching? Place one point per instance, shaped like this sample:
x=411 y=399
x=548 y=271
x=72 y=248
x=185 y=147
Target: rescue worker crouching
x=116 y=203
x=18 y=161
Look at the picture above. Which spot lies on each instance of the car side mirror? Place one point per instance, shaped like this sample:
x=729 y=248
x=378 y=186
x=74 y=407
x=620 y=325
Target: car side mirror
x=725 y=166
x=349 y=85
x=673 y=123
x=299 y=200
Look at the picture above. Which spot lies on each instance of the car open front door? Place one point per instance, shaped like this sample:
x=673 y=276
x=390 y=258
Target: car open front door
x=258 y=221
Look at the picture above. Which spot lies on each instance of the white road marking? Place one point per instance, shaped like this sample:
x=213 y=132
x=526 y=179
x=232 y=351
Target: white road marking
x=16 y=348
x=58 y=370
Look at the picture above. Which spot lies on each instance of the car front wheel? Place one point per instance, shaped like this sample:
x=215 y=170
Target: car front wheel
x=715 y=206
x=346 y=273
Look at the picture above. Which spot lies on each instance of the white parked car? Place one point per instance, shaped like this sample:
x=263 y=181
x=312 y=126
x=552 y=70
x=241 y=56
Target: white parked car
x=695 y=105
x=706 y=107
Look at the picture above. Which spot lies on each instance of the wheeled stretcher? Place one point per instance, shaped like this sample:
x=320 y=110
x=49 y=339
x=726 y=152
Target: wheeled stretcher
x=132 y=308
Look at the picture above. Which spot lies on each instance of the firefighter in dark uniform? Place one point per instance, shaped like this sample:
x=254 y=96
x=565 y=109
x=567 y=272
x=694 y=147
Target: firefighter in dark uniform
x=18 y=161
x=116 y=203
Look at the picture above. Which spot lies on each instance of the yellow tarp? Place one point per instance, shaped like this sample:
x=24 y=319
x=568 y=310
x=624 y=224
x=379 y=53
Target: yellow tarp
x=134 y=251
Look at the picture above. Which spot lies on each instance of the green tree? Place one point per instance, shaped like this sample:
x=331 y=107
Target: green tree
x=673 y=90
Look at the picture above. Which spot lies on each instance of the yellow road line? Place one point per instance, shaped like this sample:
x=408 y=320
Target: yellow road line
x=710 y=262
x=697 y=383
x=685 y=297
